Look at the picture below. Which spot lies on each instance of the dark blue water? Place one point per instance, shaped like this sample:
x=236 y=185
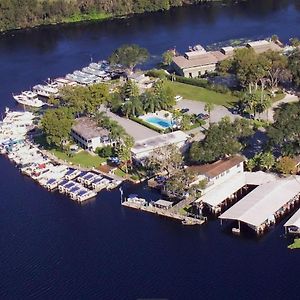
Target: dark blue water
x=53 y=248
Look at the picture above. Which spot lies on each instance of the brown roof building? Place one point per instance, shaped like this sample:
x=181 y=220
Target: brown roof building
x=196 y=63
x=219 y=167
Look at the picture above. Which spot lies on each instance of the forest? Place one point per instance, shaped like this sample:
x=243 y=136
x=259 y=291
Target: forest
x=15 y=14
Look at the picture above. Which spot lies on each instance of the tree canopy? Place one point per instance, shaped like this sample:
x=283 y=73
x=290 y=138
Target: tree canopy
x=284 y=133
x=223 y=138
x=129 y=56
x=56 y=124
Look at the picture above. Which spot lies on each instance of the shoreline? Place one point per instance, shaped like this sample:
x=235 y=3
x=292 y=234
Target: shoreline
x=100 y=17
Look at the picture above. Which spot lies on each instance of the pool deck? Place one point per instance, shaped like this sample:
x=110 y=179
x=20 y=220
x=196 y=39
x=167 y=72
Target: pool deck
x=136 y=130
x=160 y=115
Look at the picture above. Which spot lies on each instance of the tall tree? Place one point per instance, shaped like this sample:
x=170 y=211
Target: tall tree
x=276 y=66
x=166 y=159
x=294 y=66
x=209 y=107
x=222 y=139
x=129 y=56
x=167 y=57
x=56 y=124
x=124 y=151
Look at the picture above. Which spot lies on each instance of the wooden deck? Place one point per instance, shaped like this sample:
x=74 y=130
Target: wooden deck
x=169 y=213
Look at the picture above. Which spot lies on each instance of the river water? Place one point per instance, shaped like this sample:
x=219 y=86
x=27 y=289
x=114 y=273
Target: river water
x=53 y=248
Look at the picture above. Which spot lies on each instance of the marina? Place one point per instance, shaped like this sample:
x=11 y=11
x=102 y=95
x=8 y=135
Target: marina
x=77 y=184
x=46 y=238
x=92 y=74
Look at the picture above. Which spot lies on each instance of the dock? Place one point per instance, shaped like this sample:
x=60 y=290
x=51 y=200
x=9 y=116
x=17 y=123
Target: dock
x=265 y=205
x=168 y=213
x=292 y=226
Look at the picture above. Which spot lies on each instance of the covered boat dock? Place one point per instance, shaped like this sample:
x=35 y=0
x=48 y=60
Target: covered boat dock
x=264 y=205
x=224 y=194
x=292 y=226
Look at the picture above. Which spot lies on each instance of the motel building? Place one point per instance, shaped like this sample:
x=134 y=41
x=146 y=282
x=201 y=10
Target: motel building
x=88 y=135
x=143 y=148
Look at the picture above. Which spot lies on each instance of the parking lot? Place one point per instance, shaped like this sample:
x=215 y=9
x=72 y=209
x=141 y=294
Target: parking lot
x=197 y=107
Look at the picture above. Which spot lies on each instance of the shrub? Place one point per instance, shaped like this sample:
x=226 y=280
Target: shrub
x=157 y=73
x=106 y=151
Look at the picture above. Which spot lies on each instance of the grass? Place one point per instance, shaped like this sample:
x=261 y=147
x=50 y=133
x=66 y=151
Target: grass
x=195 y=93
x=278 y=97
x=92 y=16
x=295 y=245
x=82 y=158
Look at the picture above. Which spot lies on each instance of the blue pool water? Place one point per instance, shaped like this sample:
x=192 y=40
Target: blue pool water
x=159 y=122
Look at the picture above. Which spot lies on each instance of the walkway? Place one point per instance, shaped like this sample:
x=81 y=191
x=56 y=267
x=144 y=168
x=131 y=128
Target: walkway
x=165 y=213
x=136 y=130
x=269 y=114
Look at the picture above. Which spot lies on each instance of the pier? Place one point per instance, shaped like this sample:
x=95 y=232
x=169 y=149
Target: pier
x=168 y=213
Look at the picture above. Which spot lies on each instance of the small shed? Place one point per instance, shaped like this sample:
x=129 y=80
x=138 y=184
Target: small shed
x=164 y=204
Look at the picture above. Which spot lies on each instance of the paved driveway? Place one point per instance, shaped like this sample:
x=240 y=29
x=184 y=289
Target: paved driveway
x=136 y=130
x=197 y=107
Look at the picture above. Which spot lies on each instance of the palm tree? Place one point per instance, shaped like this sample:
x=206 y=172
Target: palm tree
x=151 y=103
x=209 y=107
x=132 y=107
x=263 y=103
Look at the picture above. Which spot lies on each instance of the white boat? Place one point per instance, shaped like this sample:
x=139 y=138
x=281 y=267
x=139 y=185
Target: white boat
x=46 y=90
x=133 y=198
x=98 y=185
x=85 y=195
x=29 y=98
x=114 y=184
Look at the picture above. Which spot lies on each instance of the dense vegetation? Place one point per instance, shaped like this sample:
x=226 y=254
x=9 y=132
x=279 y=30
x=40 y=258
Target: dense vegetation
x=28 y=13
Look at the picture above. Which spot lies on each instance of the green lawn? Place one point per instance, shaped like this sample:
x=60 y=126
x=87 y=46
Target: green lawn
x=295 y=245
x=92 y=16
x=192 y=92
x=83 y=158
x=278 y=97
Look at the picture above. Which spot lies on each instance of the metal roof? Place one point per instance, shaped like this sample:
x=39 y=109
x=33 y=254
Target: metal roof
x=263 y=202
x=163 y=203
x=159 y=141
x=222 y=191
x=294 y=220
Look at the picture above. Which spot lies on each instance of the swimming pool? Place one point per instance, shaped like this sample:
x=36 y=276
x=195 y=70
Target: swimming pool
x=159 y=122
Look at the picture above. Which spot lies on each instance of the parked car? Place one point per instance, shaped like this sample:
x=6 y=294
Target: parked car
x=178 y=98
x=184 y=110
x=202 y=116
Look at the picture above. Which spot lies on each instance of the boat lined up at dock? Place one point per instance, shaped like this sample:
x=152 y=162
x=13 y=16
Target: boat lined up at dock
x=29 y=98
x=50 y=174
x=92 y=74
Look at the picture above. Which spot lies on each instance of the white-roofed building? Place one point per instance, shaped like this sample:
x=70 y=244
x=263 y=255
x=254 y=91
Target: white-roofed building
x=265 y=204
x=293 y=224
x=142 y=149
